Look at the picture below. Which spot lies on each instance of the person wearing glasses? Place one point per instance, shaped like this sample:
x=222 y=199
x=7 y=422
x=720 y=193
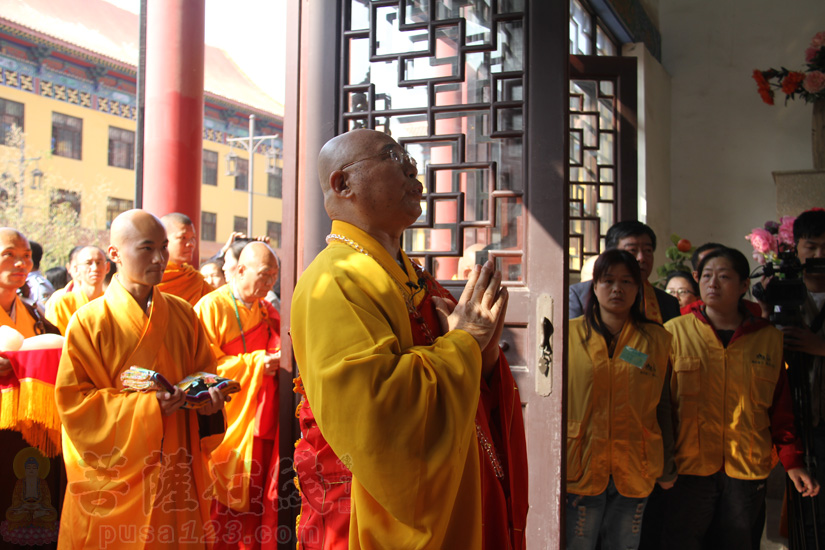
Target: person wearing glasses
x=680 y=285
x=411 y=420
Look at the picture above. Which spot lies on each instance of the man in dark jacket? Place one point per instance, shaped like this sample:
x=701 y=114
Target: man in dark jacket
x=640 y=240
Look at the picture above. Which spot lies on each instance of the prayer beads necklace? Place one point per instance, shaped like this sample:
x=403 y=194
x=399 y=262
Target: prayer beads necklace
x=490 y=451
x=408 y=299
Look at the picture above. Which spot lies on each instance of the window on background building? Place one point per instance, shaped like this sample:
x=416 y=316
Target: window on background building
x=241 y=174
x=11 y=114
x=114 y=207
x=240 y=224
x=210 y=167
x=63 y=200
x=273 y=230
x=121 y=148
x=67 y=136
x=209 y=226
x=273 y=183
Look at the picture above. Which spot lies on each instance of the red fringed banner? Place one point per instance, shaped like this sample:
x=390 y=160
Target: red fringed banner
x=27 y=398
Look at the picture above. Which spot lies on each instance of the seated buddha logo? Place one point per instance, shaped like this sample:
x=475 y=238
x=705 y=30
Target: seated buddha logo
x=31 y=520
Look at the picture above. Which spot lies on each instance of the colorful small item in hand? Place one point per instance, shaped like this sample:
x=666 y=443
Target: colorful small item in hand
x=196 y=386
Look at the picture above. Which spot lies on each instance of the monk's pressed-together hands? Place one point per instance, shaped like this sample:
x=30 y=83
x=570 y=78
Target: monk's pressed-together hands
x=480 y=312
x=171 y=402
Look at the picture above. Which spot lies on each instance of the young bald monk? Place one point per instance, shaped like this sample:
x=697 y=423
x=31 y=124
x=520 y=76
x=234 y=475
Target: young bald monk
x=15 y=263
x=243 y=330
x=412 y=429
x=136 y=462
x=180 y=277
x=90 y=274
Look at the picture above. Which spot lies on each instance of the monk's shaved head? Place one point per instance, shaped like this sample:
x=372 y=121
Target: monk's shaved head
x=139 y=248
x=92 y=267
x=257 y=253
x=15 y=263
x=182 y=238
x=8 y=234
x=257 y=271
x=175 y=218
x=344 y=149
x=134 y=224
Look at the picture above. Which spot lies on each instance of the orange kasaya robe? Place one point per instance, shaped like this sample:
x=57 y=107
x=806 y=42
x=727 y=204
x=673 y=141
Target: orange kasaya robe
x=62 y=308
x=184 y=281
x=414 y=377
x=57 y=294
x=22 y=396
x=245 y=465
x=136 y=478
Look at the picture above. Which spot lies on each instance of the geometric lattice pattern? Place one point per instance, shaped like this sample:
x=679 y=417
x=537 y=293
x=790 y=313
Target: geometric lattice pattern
x=446 y=80
x=593 y=157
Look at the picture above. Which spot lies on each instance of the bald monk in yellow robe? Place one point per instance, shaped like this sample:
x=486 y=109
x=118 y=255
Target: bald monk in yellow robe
x=180 y=277
x=136 y=463
x=408 y=398
x=90 y=274
x=244 y=332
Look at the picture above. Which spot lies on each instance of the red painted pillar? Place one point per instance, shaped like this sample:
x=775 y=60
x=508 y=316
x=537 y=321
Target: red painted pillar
x=174 y=107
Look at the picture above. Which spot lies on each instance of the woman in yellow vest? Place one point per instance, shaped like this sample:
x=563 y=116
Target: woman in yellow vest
x=618 y=409
x=731 y=404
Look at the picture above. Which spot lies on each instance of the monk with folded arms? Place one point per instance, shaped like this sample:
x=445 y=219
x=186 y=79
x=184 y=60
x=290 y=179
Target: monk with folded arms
x=136 y=463
x=180 y=277
x=244 y=332
x=91 y=271
x=413 y=436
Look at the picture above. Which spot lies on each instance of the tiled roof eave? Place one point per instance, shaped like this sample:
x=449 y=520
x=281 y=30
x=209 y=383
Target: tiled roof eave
x=90 y=56
x=238 y=106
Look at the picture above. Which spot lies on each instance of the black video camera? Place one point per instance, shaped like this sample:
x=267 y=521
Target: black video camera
x=786 y=293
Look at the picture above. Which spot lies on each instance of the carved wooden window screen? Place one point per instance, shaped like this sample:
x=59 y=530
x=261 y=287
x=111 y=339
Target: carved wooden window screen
x=593 y=142
x=446 y=80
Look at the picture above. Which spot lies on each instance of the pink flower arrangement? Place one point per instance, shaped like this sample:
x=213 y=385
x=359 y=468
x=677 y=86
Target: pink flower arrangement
x=773 y=238
x=809 y=83
x=785 y=233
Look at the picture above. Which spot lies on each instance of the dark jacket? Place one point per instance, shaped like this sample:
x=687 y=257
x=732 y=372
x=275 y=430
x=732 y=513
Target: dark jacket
x=578 y=298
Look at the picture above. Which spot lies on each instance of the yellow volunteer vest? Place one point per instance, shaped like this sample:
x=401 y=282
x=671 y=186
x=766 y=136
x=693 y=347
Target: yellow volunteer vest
x=611 y=411
x=721 y=398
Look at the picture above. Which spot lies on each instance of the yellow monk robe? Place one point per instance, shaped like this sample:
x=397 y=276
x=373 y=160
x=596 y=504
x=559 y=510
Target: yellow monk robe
x=184 y=281
x=60 y=310
x=56 y=295
x=137 y=478
x=400 y=415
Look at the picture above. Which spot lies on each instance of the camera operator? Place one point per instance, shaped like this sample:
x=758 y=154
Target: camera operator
x=809 y=237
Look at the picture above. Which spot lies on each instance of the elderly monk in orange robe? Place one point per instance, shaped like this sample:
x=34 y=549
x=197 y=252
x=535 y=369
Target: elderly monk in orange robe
x=412 y=430
x=90 y=274
x=180 y=277
x=244 y=332
x=136 y=462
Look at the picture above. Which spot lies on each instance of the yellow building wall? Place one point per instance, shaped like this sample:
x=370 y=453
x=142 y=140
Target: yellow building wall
x=96 y=180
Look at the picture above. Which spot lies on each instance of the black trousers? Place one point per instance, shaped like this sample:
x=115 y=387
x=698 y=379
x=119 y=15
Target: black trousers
x=818 y=449
x=710 y=512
